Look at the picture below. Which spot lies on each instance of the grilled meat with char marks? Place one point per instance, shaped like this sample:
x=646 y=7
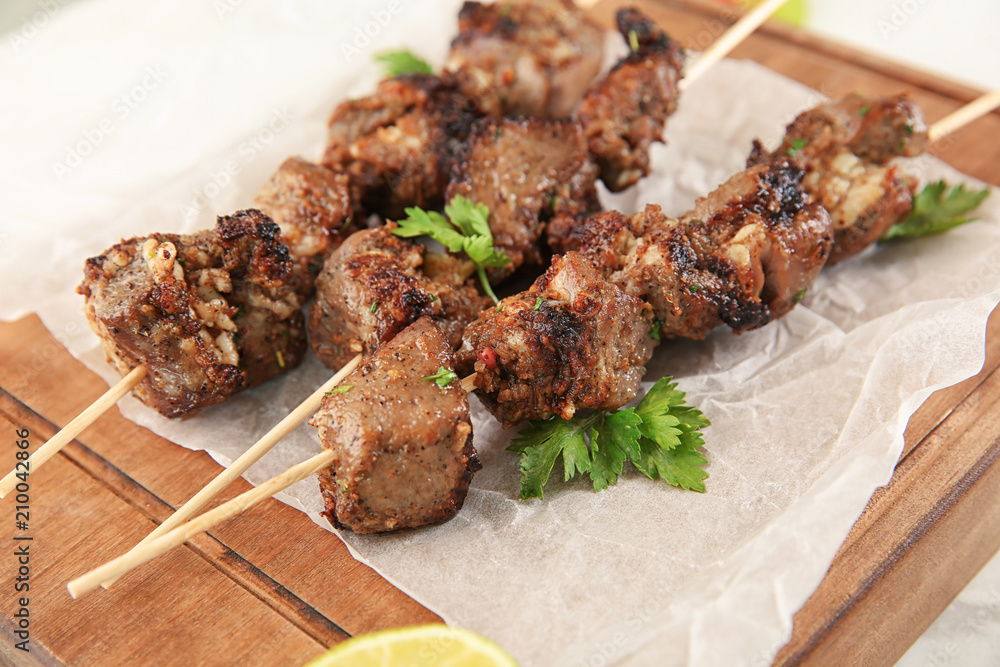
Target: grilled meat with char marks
x=572 y=341
x=396 y=145
x=312 y=206
x=404 y=454
x=626 y=112
x=846 y=146
x=743 y=256
x=207 y=314
x=530 y=172
x=375 y=285
x=526 y=58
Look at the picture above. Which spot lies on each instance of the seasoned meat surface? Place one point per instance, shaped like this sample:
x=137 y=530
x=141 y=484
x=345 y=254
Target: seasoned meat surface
x=530 y=172
x=846 y=146
x=743 y=256
x=374 y=286
x=403 y=444
x=526 y=58
x=312 y=206
x=572 y=341
x=626 y=112
x=397 y=144
x=207 y=314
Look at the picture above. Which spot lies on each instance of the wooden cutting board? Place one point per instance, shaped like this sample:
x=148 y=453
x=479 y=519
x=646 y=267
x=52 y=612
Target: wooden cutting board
x=242 y=595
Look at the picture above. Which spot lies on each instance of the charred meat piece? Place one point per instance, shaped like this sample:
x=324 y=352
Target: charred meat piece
x=404 y=454
x=846 y=146
x=526 y=58
x=375 y=285
x=530 y=172
x=312 y=206
x=396 y=145
x=626 y=112
x=572 y=341
x=744 y=256
x=207 y=314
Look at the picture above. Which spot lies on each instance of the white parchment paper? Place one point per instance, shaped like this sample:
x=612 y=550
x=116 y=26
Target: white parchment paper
x=121 y=119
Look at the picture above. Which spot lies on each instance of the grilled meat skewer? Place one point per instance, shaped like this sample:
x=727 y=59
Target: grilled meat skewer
x=847 y=146
x=525 y=58
x=376 y=284
x=207 y=314
x=403 y=445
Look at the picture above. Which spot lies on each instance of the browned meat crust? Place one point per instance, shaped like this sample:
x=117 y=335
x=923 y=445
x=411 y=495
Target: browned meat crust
x=743 y=256
x=396 y=145
x=530 y=172
x=312 y=206
x=571 y=341
x=626 y=112
x=374 y=286
x=526 y=58
x=846 y=146
x=207 y=314
x=404 y=454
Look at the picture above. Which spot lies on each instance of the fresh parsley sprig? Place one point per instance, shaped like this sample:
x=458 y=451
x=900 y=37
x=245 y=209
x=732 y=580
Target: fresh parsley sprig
x=403 y=62
x=442 y=378
x=660 y=436
x=465 y=229
x=937 y=209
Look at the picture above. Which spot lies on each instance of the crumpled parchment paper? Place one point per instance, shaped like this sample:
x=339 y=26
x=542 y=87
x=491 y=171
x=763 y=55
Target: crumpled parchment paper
x=187 y=108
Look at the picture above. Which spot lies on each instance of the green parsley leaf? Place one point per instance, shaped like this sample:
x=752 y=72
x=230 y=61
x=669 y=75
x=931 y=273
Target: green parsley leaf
x=633 y=40
x=442 y=378
x=681 y=466
x=937 y=209
x=540 y=444
x=342 y=389
x=403 y=62
x=430 y=223
x=615 y=441
x=538 y=304
x=796 y=147
x=660 y=437
x=373 y=307
x=655 y=331
x=863 y=110
x=465 y=229
x=801 y=294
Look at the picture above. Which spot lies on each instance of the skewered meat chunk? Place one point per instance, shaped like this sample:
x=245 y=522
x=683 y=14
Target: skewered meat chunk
x=743 y=256
x=526 y=58
x=530 y=172
x=846 y=146
x=207 y=314
x=375 y=285
x=312 y=206
x=404 y=454
x=572 y=341
x=626 y=112
x=396 y=145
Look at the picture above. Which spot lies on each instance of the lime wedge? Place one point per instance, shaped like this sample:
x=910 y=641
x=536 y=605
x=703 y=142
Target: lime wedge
x=435 y=645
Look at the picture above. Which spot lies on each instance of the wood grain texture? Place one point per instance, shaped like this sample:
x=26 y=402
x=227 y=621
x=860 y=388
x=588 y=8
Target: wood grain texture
x=272 y=588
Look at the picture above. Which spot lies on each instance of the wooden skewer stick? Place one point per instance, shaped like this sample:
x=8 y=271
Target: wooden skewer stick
x=163 y=540
x=249 y=457
x=73 y=429
x=729 y=40
x=965 y=115
x=148 y=550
